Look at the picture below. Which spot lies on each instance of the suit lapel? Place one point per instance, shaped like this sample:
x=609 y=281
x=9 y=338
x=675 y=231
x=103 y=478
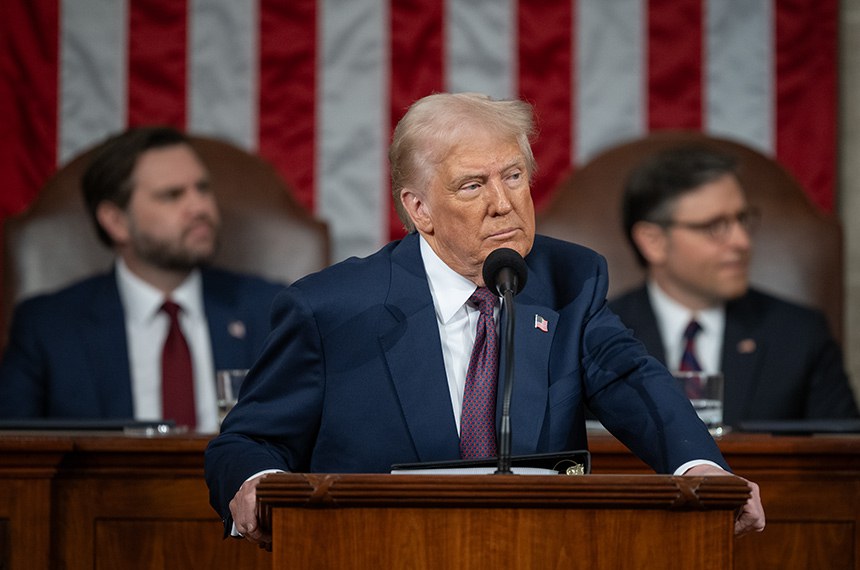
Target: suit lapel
x=106 y=350
x=743 y=351
x=636 y=312
x=531 y=371
x=646 y=330
x=413 y=352
x=226 y=328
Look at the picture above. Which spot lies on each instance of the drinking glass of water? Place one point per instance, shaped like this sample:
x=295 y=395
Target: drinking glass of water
x=227 y=384
x=705 y=392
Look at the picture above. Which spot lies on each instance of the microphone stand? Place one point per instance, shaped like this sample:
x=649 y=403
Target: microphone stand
x=504 y=462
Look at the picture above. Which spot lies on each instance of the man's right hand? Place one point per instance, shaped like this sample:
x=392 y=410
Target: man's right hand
x=243 y=507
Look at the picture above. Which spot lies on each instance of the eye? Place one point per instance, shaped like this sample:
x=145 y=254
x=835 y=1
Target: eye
x=515 y=179
x=470 y=187
x=719 y=227
x=172 y=194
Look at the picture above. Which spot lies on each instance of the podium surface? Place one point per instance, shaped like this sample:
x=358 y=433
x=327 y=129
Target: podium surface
x=90 y=500
x=500 y=521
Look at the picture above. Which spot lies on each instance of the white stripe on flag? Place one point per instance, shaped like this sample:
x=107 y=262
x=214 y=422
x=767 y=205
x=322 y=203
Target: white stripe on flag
x=610 y=75
x=353 y=124
x=739 y=88
x=481 y=47
x=222 y=70
x=93 y=73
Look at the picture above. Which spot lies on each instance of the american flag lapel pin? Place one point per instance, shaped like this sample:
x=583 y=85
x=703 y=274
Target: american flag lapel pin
x=541 y=323
x=237 y=329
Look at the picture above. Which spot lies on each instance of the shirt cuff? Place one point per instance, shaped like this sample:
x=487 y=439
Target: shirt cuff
x=690 y=464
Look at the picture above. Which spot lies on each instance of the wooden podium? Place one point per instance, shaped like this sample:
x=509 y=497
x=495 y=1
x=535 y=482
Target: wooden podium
x=500 y=521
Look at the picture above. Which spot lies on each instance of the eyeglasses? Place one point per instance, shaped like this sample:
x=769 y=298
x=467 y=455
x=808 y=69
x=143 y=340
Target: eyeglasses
x=719 y=229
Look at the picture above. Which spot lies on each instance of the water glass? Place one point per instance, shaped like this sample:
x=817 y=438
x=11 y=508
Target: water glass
x=705 y=392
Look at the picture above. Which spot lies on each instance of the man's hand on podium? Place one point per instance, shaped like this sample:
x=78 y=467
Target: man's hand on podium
x=243 y=507
x=750 y=517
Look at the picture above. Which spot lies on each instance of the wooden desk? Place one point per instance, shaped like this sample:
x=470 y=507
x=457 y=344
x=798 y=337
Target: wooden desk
x=89 y=501
x=810 y=488
x=106 y=501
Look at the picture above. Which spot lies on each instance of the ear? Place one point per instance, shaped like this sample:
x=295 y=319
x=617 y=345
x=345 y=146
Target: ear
x=417 y=210
x=652 y=241
x=114 y=220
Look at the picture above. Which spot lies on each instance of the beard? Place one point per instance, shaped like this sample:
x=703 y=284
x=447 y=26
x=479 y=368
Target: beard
x=172 y=255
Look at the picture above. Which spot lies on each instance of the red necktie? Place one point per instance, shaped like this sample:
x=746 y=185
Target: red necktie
x=478 y=420
x=177 y=379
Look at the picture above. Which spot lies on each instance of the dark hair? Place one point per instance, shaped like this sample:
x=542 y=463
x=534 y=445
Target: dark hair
x=654 y=186
x=108 y=176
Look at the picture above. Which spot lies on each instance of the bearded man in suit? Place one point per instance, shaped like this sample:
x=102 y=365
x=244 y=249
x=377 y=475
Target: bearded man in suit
x=94 y=350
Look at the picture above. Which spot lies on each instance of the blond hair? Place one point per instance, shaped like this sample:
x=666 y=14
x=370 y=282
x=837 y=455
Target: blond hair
x=434 y=124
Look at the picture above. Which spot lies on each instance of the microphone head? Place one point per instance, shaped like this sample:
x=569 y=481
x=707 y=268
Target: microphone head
x=497 y=279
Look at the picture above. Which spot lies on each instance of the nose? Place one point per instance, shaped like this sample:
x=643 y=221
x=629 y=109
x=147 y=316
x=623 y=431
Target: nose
x=499 y=201
x=200 y=201
x=739 y=236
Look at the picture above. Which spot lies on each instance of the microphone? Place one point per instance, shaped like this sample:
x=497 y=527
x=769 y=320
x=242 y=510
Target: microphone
x=505 y=274
x=505 y=270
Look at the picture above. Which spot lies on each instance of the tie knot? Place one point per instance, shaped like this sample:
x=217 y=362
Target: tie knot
x=171 y=308
x=692 y=330
x=484 y=299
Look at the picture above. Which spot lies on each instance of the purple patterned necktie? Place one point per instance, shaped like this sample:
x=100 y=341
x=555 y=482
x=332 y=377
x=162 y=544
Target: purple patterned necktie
x=689 y=363
x=478 y=420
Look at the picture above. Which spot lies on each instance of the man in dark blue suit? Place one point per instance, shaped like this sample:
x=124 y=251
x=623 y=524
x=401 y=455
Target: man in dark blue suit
x=94 y=349
x=688 y=220
x=368 y=363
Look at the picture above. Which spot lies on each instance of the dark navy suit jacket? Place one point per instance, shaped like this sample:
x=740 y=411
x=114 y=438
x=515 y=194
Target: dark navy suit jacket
x=352 y=377
x=779 y=359
x=67 y=355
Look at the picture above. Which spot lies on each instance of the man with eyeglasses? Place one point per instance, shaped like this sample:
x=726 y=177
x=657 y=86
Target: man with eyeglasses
x=688 y=220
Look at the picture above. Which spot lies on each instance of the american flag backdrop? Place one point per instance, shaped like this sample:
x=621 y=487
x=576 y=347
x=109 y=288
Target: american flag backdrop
x=315 y=86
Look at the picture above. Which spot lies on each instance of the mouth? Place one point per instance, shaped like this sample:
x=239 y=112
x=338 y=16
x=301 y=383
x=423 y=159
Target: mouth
x=504 y=235
x=736 y=266
x=204 y=229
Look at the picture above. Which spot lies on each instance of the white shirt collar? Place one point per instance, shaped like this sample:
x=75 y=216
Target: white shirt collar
x=141 y=301
x=674 y=316
x=449 y=289
x=672 y=319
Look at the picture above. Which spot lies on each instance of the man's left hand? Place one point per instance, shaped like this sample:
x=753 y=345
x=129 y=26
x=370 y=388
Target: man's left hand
x=750 y=517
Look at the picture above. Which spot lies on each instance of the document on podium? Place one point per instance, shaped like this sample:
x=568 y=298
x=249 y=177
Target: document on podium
x=563 y=463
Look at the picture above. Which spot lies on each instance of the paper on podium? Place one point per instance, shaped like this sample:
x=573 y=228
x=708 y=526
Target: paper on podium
x=473 y=471
x=562 y=463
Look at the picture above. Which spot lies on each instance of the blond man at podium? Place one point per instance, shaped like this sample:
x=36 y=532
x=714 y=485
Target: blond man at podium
x=384 y=360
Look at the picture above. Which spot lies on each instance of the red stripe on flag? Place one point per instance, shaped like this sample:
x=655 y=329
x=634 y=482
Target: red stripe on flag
x=157 y=62
x=288 y=93
x=675 y=64
x=29 y=54
x=417 y=68
x=546 y=80
x=806 y=94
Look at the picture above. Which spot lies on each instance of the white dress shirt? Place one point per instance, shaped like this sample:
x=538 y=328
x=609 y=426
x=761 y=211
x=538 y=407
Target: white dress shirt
x=146 y=329
x=457 y=320
x=672 y=320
